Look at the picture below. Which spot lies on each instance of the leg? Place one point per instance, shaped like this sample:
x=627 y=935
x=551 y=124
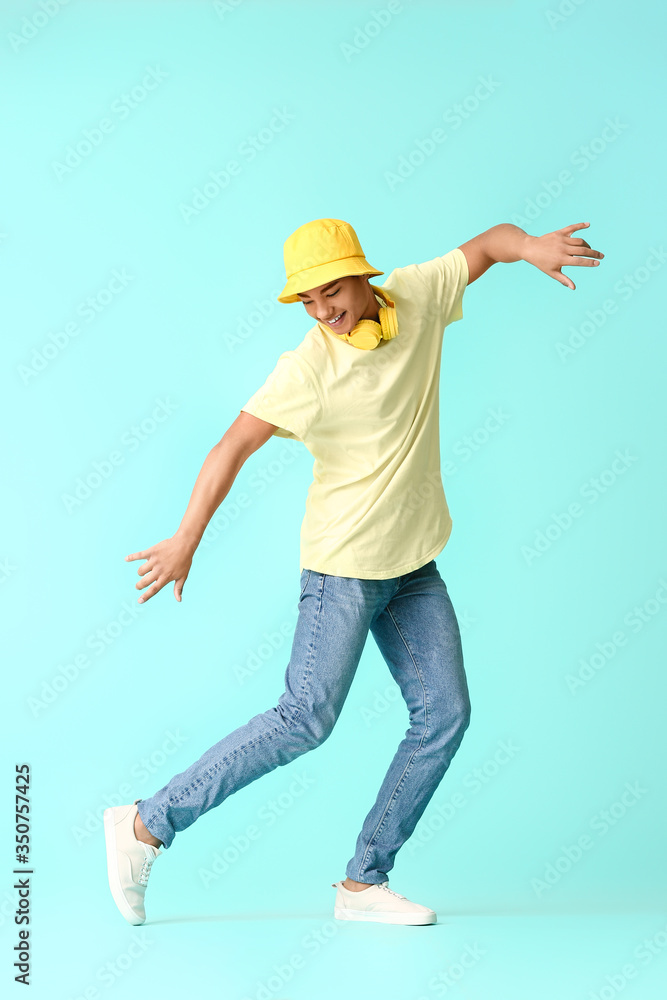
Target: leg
x=418 y=635
x=331 y=631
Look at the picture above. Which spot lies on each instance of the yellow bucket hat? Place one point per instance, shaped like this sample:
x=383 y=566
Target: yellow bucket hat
x=321 y=251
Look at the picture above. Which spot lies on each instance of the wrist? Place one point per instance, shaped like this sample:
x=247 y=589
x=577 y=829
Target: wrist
x=526 y=248
x=188 y=537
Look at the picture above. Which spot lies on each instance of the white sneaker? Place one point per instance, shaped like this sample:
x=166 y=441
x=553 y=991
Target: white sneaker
x=128 y=862
x=381 y=903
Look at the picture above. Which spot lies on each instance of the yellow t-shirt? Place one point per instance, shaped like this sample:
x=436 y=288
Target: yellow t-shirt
x=376 y=507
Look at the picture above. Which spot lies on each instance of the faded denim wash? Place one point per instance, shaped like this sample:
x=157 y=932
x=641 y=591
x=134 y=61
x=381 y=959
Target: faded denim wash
x=413 y=622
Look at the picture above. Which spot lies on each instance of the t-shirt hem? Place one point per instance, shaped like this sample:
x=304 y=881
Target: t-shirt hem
x=350 y=571
x=257 y=411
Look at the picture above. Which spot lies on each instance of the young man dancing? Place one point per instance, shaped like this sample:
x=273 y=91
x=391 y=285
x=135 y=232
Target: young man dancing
x=361 y=391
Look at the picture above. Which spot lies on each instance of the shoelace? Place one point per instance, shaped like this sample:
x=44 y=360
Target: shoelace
x=382 y=885
x=387 y=889
x=145 y=870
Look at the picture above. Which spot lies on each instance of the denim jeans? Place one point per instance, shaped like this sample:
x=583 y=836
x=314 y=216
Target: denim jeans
x=414 y=625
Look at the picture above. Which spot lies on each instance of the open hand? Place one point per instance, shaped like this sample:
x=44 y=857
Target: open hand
x=560 y=249
x=169 y=560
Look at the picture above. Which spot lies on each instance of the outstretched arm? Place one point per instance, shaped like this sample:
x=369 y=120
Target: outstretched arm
x=507 y=243
x=171 y=558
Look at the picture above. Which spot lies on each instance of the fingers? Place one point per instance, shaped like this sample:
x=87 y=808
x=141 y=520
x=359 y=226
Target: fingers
x=147 y=566
x=579 y=243
x=178 y=588
x=152 y=577
x=146 y=582
x=562 y=278
x=149 y=593
x=579 y=260
x=155 y=587
x=587 y=256
x=571 y=229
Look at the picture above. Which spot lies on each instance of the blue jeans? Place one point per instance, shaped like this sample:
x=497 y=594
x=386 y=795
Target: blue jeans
x=414 y=625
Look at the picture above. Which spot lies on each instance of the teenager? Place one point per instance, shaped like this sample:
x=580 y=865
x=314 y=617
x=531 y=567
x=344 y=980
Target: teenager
x=361 y=392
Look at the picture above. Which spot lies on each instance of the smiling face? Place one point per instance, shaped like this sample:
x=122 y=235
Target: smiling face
x=352 y=296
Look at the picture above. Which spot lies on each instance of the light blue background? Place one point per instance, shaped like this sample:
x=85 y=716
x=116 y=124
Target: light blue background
x=197 y=325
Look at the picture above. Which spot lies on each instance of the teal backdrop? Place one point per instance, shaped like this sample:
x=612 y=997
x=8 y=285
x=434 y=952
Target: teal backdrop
x=156 y=157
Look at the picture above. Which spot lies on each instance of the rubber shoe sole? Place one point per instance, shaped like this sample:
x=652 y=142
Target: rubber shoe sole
x=385 y=917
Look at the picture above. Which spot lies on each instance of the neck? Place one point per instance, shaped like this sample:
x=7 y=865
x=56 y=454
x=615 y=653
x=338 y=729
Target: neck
x=372 y=310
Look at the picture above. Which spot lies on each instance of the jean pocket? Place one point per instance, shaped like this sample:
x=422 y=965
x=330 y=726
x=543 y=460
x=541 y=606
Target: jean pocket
x=305 y=577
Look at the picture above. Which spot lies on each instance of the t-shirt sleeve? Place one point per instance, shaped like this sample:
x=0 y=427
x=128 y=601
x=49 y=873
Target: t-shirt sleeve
x=289 y=398
x=446 y=279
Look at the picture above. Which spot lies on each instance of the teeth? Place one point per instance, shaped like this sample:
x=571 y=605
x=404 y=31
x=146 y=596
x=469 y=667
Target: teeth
x=336 y=317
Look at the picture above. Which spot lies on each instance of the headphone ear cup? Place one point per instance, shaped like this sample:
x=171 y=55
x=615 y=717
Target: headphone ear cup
x=366 y=335
x=388 y=322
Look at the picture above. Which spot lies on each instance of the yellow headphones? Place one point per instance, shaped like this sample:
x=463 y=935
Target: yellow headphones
x=367 y=333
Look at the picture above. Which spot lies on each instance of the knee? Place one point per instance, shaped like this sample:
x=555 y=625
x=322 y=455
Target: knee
x=316 y=730
x=451 y=725
x=464 y=715
x=311 y=729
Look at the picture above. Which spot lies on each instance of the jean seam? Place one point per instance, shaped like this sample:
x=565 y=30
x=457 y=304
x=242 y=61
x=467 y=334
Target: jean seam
x=408 y=766
x=311 y=645
x=225 y=760
x=305 y=586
